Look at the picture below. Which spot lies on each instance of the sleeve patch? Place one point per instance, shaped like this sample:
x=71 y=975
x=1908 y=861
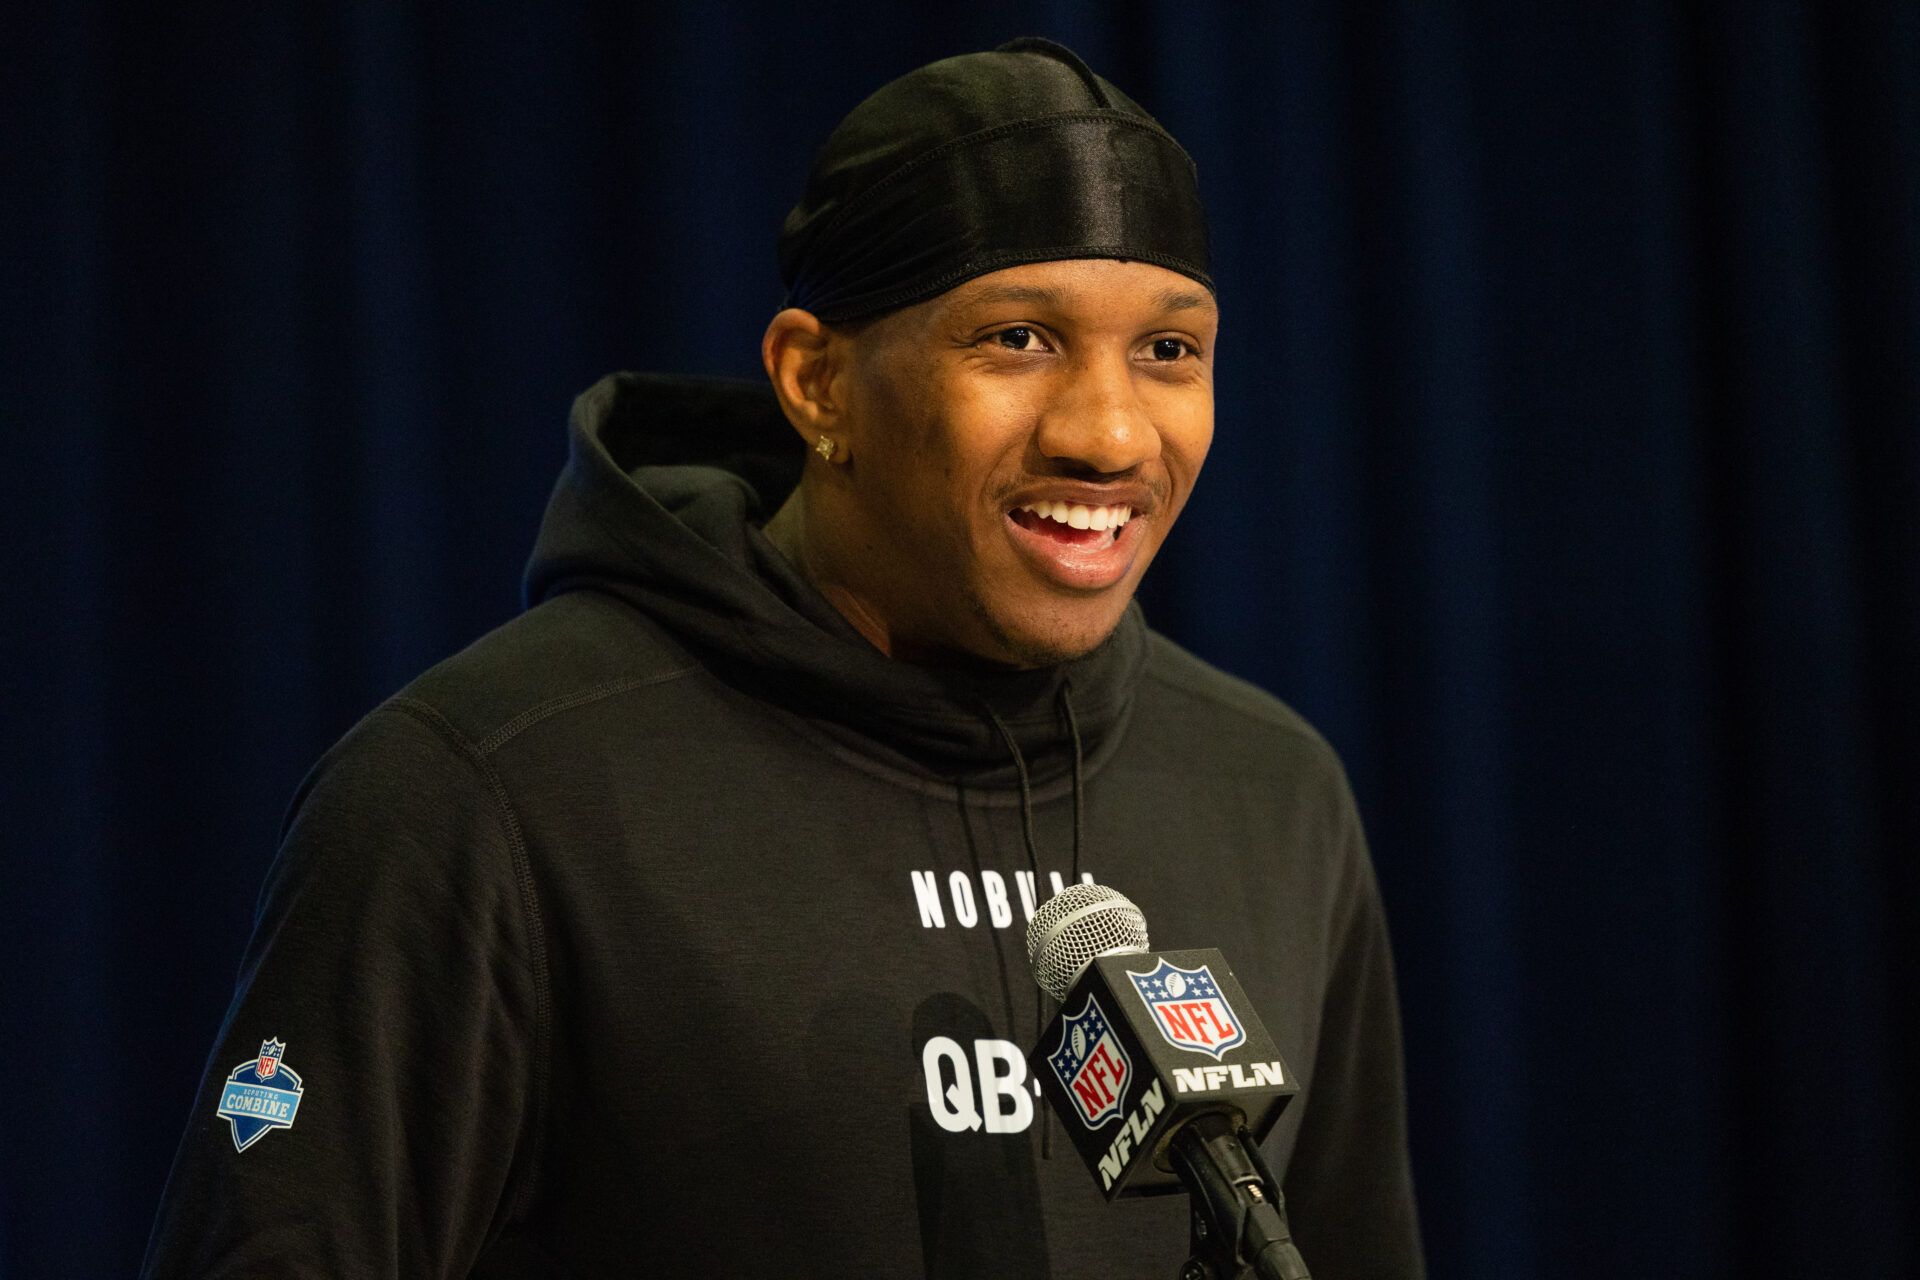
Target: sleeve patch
x=260 y=1095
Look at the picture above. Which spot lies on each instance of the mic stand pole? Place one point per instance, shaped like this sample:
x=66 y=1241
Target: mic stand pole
x=1239 y=1216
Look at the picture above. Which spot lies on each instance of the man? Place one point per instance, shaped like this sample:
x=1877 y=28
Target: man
x=677 y=925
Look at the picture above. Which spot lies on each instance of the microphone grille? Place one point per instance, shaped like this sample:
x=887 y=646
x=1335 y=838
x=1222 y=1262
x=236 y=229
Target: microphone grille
x=1074 y=926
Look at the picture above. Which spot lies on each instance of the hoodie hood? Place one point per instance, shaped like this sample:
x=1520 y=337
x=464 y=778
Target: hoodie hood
x=667 y=482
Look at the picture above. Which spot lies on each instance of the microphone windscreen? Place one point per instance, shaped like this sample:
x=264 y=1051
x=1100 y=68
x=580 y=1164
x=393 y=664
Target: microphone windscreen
x=1074 y=926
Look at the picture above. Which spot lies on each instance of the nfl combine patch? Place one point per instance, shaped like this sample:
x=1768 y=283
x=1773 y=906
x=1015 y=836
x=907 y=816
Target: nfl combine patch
x=260 y=1095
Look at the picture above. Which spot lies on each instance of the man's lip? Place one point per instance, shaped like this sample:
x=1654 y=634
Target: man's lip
x=1077 y=567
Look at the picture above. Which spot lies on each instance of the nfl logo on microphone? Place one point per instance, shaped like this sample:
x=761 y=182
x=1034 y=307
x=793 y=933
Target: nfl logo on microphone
x=1188 y=1009
x=1091 y=1065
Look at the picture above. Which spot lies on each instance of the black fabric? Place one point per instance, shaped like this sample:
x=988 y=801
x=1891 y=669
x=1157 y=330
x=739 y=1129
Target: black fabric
x=611 y=943
x=930 y=182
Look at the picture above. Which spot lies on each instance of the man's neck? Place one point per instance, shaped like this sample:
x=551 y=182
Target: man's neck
x=787 y=531
x=793 y=535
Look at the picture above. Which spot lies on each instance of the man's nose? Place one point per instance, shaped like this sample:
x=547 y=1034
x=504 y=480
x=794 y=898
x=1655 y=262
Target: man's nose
x=1098 y=420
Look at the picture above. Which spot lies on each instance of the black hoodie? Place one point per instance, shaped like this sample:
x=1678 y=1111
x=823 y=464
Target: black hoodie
x=670 y=927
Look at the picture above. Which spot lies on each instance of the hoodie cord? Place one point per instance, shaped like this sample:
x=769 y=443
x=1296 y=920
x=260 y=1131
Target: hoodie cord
x=1033 y=864
x=1026 y=792
x=1033 y=855
x=1079 y=775
x=1026 y=784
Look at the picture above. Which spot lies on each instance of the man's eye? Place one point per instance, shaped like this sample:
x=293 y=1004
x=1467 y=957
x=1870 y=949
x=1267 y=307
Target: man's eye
x=1171 y=349
x=1015 y=339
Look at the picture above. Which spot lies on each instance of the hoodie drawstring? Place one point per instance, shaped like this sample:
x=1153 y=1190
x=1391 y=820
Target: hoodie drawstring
x=1079 y=778
x=1026 y=792
x=1033 y=854
x=1026 y=783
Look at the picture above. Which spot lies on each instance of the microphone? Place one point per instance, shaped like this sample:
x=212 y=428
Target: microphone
x=1163 y=1078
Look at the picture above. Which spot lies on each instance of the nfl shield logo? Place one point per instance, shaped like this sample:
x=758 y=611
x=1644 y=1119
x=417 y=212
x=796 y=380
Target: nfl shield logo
x=271 y=1052
x=1188 y=1008
x=1091 y=1065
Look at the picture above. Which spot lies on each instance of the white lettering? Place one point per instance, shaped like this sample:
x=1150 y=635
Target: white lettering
x=926 y=892
x=1002 y=1070
x=1209 y=1079
x=1116 y=1158
x=987 y=1091
x=1137 y=1129
x=951 y=1104
x=967 y=897
x=999 y=910
x=963 y=909
x=1060 y=885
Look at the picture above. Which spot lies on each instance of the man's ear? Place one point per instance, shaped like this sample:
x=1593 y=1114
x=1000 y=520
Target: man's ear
x=806 y=362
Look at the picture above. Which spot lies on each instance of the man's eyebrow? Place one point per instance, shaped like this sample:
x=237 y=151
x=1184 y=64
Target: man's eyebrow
x=1181 y=299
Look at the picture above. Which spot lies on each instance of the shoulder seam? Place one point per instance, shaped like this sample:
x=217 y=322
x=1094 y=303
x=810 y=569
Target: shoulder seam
x=540 y=711
x=1278 y=720
x=438 y=724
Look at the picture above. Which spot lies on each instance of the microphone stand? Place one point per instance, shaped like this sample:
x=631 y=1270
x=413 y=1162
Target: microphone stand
x=1239 y=1216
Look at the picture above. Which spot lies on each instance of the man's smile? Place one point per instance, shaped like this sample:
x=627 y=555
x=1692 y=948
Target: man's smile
x=1053 y=517
x=1079 y=545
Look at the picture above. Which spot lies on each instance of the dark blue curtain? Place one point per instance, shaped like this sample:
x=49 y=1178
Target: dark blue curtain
x=1567 y=473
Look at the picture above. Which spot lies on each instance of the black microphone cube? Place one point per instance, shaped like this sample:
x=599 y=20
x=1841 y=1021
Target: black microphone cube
x=1143 y=1042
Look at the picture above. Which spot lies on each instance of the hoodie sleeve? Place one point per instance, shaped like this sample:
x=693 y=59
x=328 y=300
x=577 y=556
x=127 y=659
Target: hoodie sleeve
x=1349 y=1186
x=391 y=978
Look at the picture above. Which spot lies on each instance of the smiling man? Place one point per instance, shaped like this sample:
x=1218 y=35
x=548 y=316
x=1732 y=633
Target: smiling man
x=1025 y=439
x=676 y=926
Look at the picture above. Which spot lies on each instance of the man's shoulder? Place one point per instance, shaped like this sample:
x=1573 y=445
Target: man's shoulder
x=1229 y=713
x=568 y=651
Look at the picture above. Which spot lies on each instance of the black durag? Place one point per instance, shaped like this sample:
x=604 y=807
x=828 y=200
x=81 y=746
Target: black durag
x=985 y=161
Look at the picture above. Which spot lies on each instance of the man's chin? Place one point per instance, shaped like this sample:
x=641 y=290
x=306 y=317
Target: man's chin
x=1025 y=645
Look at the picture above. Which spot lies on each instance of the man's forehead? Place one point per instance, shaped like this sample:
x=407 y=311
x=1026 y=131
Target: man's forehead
x=1069 y=296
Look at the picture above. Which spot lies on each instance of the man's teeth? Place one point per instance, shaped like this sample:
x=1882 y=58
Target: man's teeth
x=1081 y=517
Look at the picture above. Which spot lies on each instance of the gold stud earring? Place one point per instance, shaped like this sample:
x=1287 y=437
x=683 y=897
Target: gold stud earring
x=825 y=448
